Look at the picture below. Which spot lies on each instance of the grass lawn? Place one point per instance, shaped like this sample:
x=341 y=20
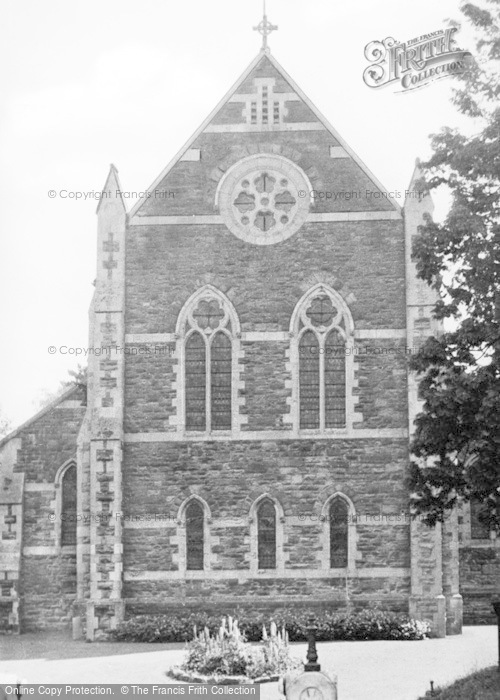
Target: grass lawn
x=482 y=685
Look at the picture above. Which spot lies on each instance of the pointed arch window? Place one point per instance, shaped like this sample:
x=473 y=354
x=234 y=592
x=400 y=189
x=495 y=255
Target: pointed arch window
x=309 y=378
x=68 y=506
x=195 y=539
x=338 y=519
x=207 y=327
x=479 y=527
x=334 y=375
x=220 y=382
x=196 y=373
x=266 y=534
x=339 y=535
x=321 y=325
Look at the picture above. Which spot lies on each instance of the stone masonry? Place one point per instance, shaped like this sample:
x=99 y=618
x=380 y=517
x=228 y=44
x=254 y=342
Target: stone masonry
x=264 y=216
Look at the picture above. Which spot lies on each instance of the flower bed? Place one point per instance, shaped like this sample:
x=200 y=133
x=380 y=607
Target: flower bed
x=228 y=658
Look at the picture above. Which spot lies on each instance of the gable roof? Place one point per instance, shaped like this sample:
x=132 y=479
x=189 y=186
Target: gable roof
x=263 y=55
x=53 y=404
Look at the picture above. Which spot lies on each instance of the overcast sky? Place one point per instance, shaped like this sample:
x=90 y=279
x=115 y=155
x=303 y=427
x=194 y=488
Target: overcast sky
x=88 y=84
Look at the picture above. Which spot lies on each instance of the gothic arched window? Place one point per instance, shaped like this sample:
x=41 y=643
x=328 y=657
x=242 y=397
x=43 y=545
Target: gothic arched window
x=321 y=328
x=338 y=519
x=220 y=379
x=206 y=327
x=334 y=380
x=195 y=527
x=479 y=528
x=68 y=506
x=309 y=378
x=196 y=383
x=266 y=534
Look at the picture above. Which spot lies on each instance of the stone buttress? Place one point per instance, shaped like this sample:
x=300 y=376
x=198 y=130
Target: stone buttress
x=434 y=551
x=99 y=549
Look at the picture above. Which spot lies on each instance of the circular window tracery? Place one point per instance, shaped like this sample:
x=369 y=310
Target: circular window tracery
x=264 y=199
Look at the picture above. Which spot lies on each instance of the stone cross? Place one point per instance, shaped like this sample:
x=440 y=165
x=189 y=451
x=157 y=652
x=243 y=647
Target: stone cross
x=265 y=28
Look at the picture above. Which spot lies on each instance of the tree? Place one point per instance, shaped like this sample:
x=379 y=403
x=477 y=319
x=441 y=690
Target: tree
x=457 y=438
x=78 y=378
x=5 y=426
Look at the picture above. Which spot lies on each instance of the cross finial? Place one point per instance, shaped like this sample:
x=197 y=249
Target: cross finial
x=265 y=28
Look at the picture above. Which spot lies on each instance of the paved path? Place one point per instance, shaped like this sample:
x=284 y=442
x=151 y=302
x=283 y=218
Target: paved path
x=366 y=670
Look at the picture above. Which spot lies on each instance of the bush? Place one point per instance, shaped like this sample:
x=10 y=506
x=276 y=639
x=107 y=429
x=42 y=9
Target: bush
x=164 y=628
x=368 y=624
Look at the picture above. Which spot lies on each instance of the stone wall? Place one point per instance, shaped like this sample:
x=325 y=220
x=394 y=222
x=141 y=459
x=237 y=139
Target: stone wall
x=50 y=440
x=479 y=583
x=265 y=376
x=166 y=264
x=48 y=590
x=229 y=476
x=47 y=576
x=479 y=569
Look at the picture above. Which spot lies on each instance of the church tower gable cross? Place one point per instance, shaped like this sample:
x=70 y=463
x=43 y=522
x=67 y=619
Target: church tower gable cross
x=265 y=28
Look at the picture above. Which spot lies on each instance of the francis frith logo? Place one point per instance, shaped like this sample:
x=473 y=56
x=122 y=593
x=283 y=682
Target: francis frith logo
x=416 y=62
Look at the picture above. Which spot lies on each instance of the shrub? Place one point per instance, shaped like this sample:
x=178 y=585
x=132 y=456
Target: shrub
x=367 y=624
x=164 y=628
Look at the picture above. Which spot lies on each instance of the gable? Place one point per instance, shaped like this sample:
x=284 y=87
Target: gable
x=280 y=95
x=41 y=444
x=265 y=112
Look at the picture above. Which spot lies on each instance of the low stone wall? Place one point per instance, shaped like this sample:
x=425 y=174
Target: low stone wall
x=48 y=592
x=398 y=604
x=479 y=583
x=478 y=609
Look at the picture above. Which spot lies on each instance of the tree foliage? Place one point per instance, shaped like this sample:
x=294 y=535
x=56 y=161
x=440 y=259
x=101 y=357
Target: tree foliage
x=5 y=426
x=457 y=438
x=77 y=377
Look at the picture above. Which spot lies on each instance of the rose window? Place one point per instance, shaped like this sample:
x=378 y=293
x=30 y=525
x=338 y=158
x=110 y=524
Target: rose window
x=265 y=204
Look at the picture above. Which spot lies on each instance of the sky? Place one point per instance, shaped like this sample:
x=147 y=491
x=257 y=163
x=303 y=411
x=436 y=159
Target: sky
x=87 y=84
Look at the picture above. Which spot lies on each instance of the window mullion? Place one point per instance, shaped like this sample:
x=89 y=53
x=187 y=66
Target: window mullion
x=322 y=382
x=208 y=387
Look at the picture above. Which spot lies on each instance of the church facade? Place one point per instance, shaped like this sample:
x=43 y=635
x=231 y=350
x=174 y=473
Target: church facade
x=244 y=437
